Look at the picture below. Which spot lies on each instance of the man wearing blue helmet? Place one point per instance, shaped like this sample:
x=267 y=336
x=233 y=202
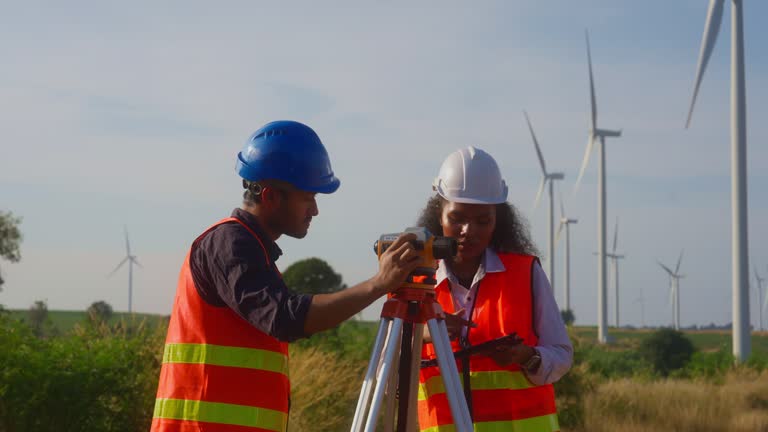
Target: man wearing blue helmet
x=225 y=365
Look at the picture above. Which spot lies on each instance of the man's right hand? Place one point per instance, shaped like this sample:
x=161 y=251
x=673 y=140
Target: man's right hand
x=395 y=264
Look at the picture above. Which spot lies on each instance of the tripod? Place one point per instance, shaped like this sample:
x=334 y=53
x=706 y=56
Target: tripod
x=396 y=376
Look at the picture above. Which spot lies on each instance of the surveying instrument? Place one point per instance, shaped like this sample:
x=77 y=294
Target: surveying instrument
x=393 y=369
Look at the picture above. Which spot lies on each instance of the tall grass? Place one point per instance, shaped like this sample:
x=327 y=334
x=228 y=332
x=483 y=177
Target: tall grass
x=324 y=390
x=739 y=404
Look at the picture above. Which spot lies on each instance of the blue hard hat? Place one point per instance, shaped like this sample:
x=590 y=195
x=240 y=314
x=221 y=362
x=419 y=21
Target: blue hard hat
x=288 y=151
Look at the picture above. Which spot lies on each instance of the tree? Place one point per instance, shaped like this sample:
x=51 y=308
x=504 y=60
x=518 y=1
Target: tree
x=38 y=316
x=567 y=316
x=99 y=312
x=667 y=350
x=312 y=276
x=10 y=238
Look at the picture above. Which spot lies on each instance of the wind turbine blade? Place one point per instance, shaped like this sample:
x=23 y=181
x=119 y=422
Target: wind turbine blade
x=559 y=230
x=593 y=117
x=711 y=28
x=615 y=234
x=118 y=266
x=679 y=259
x=127 y=243
x=667 y=269
x=539 y=192
x=585 y=161
x=135 y=261
x=562 y=208
x=536 y=143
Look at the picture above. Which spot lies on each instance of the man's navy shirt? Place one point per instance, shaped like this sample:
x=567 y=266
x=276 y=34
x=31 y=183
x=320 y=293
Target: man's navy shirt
x=230 y=270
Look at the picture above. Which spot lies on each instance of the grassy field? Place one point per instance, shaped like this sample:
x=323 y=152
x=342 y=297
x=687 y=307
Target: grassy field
x=703 y=340
x=64 y=321
x=738 y=404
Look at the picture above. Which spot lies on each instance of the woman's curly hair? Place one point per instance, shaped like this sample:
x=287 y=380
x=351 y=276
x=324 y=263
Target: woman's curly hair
x=511 y=234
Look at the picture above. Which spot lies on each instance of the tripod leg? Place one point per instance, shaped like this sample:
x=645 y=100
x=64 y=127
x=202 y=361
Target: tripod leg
x=370 y=375
x=413 y=388
x=459 y=389
x=450 y=375
x=404 y=375
x=391 y=394
x=390 y=353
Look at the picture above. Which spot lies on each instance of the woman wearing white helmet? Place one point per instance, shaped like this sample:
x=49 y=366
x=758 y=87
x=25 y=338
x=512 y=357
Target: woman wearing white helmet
x=496 y=282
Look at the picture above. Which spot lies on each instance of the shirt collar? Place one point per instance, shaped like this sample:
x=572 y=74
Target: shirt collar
x=252 y=222
x=491 y=263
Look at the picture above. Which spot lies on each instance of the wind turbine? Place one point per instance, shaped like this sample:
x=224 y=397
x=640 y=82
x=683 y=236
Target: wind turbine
x=674 y=293
x=566 y=222
x=131 y=260
x=547 y=177
x=760 y=305
x=739 y=245
x=595 y=132
x=615 y=257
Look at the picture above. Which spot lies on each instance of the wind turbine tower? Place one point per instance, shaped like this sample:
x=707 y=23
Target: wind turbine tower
x=546 y=178
x=760 y=305
x=615 y=257
x=674 y=286
x=739 y=244
x=131 y=260
x=601 y=134
x=566 y=222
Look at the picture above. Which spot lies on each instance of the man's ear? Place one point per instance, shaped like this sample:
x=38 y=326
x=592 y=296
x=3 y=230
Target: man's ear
x=270 y=196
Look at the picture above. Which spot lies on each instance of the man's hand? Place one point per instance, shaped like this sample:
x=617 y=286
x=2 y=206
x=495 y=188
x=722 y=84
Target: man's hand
x=399 y=260
x=505 y=355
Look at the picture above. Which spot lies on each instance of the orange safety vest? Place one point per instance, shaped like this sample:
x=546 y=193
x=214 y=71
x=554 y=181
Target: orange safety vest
x=503 y=399
x=219 y=373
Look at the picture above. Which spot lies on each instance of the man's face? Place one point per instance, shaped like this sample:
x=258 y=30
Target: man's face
x=295 y=211
x=471 y=225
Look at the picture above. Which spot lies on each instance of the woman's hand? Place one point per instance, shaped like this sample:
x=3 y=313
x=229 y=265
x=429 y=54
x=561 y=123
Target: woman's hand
x=454 y=324
x=505 y=355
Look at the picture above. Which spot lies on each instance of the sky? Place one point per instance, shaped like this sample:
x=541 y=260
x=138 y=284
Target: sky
x=131 y=114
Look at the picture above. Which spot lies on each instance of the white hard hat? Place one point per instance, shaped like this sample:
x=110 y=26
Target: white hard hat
x=470 y=176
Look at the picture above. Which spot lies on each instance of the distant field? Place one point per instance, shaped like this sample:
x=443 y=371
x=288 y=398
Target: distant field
x=66 y=320
x=705 y=340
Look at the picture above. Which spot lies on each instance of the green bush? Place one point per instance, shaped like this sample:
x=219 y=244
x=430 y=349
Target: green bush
x=572 y=389
x=95 y=379
x=352 y=340
x=615 y=364
x=667 y=350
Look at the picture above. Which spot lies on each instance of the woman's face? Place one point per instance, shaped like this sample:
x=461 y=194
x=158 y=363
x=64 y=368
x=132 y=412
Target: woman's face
x=471 y=225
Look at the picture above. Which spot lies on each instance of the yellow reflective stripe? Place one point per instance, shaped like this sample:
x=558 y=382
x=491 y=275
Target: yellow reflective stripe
x=545 y=423
x=219 y=355
x=214 y=412
x=493 y=380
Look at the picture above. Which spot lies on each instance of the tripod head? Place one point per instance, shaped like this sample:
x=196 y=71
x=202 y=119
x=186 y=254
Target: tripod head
x=430 y=248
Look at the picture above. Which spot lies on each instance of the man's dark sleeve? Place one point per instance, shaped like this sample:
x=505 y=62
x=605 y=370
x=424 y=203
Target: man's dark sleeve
x=238 y=271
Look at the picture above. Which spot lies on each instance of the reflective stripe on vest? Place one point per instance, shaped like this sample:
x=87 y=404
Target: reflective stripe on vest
x=213 y=412
x=543 y=423
x=495 y=380
x=218 y=355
